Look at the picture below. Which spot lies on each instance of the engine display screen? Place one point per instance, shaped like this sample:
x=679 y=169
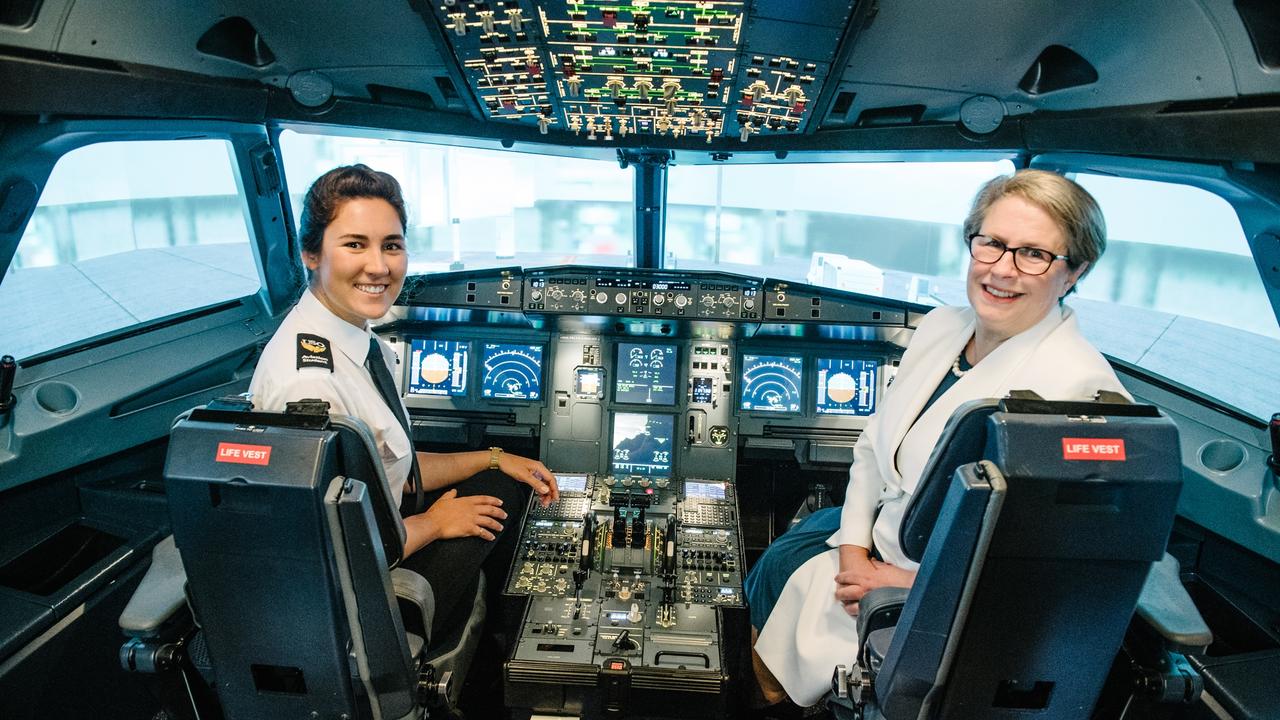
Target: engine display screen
x=646 y=374
x=772 y=383
x=642 y=444
x=512 y=372
x=846 y=387
x=438 y=367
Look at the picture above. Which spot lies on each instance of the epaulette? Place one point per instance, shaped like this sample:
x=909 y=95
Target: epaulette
x=314 y=352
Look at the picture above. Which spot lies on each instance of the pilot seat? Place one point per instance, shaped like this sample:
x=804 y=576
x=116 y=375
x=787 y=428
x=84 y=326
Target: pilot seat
x=288 y=541
x=1038 y=525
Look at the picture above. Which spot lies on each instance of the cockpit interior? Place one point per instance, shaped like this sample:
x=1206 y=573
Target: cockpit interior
x=676 y=251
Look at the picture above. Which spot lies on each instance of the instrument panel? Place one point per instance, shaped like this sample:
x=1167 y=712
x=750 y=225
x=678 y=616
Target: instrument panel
x=642 y=390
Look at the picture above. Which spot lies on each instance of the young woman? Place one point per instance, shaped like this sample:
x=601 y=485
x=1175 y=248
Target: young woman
x=353 y=245
x=1031 y=237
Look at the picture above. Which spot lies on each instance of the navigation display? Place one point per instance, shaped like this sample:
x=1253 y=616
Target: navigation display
x=846 y=387
x=772 y=383
x=646 y=374
x=512 y=372
x=642 y=444
x=438 y=367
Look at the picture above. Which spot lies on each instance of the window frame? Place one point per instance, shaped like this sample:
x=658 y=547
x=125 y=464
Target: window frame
x=33 y=151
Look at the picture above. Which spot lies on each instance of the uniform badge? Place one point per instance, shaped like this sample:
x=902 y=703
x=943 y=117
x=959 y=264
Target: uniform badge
x=314 y=351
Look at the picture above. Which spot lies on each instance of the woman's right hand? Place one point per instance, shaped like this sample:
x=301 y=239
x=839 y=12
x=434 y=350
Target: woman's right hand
x=860 y=573
x=468 y=516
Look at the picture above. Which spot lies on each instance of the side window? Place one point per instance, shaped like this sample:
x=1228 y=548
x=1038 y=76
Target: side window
x=1178 y=289
x=126 y=233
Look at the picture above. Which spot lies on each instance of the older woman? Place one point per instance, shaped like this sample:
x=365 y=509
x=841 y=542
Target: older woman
x=352 y=236
x=1031 y=237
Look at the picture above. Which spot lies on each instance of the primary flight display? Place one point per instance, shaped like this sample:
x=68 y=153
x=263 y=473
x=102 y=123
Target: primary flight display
x=846 y=386
x=438 y=367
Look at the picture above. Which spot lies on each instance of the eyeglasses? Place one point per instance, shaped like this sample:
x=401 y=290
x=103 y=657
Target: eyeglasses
x=1027 y=259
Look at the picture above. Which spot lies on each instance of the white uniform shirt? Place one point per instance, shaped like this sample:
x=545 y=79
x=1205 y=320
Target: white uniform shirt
x=310 y=335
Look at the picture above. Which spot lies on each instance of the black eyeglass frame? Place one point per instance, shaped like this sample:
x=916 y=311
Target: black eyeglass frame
x=1011 y=249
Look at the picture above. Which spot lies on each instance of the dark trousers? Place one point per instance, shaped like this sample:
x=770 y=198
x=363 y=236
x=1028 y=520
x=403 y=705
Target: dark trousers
x=453 y=566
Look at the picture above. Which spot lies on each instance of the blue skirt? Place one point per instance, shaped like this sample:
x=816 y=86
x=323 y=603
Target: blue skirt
x=797 y=546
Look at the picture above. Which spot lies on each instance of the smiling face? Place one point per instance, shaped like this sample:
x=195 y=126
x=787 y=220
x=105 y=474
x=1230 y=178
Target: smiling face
x=1007 y=301
x=362 y=261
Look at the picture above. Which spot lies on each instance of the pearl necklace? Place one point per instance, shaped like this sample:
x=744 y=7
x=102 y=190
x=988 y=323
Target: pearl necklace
x=955 y=368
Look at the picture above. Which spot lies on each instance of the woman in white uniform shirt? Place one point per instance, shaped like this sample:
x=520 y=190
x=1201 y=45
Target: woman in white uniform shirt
x=1031 y=237
x=352 y=237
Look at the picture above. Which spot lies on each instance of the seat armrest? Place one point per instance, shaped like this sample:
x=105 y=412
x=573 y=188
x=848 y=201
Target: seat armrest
x=1168 y=610
x=160 y=594
x=413 y=591
x=879 y=609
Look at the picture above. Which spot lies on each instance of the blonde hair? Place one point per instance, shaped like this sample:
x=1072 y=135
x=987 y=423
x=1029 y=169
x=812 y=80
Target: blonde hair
x=1070 y=206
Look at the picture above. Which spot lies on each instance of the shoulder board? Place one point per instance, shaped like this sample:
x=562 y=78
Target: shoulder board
x=314 y=352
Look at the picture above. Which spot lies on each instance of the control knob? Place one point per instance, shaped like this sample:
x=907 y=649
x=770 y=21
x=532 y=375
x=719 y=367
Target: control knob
x=535 y=295
x=620 y=299
x=555 y=292
x=659 y=298
x=681 y=301
x=602 y=297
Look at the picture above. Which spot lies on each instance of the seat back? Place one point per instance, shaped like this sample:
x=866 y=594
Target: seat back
x=1052 y=573
x=962 y=441
x=286 y=554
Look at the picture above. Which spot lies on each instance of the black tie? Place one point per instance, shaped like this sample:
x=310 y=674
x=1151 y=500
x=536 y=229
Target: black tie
x=377 y=366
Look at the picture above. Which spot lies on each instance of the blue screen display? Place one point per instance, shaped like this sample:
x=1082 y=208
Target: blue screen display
x=438 y=367
x=642 y=444
x=772 y=383
x=512 y=372
x=646 y=374
x=846 y=387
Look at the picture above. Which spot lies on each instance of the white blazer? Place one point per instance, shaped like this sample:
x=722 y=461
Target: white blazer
x=809 y=633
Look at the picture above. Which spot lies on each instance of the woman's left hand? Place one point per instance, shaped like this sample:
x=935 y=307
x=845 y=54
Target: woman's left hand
x=531 y=473
x=862 y=577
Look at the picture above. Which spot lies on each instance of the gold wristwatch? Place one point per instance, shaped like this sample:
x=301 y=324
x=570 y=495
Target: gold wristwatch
x=495 y=454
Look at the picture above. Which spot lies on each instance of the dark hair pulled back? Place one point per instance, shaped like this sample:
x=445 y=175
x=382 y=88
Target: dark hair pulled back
x=332 y=189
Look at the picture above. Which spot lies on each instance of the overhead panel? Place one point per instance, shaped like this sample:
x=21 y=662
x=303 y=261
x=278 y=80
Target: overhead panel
x=693 y=69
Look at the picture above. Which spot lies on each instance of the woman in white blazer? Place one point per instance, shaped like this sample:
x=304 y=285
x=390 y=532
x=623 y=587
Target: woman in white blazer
x=1031 y=237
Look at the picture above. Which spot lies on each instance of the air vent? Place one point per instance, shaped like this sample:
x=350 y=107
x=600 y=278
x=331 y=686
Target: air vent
x=447 y=89
x=19 y=13
x=1262 y=19
x=840 y=108
x=1057 y=68
x=389 y=95
x=889 y=116
x=236 y=39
